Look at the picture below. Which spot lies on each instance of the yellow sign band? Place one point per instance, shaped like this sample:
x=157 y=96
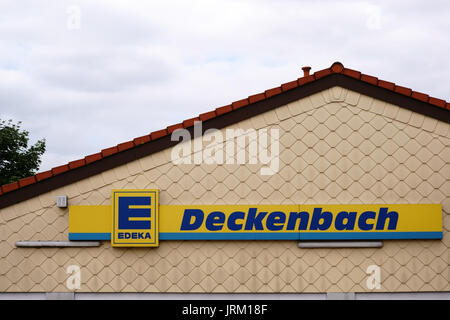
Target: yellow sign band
x=273 y=222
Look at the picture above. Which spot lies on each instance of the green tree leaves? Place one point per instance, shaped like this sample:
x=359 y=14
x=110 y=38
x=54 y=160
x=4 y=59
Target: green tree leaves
x=17 y=160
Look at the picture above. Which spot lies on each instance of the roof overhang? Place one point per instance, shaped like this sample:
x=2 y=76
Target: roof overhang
x=236 y=115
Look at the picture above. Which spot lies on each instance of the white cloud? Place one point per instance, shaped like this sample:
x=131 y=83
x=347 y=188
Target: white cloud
x=137 y=66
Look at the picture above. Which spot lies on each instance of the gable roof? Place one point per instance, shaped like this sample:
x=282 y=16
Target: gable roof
x=336 y=75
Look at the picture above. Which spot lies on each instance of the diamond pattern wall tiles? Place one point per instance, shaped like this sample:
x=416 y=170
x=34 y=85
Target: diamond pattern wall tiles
x=335 y=147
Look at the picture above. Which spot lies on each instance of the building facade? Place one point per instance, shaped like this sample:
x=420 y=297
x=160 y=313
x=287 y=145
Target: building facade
x=344 y=138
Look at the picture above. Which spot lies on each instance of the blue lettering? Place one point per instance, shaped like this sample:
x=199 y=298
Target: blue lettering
x=383 y=215
x=134 y=235
x=232 y=225
x=348 y=217
x=215 y=220
x=294 y=216
x=198 y=216
x=254 y=220
x=362 y=222
x=318 y=216
x=276 y=220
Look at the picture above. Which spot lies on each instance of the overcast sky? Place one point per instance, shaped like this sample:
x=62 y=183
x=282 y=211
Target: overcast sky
x=87 y=75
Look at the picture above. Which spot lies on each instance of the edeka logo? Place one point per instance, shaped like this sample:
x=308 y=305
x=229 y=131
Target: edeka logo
x=135 y=218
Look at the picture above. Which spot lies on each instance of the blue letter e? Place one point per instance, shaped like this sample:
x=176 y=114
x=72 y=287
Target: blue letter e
x=125 y=212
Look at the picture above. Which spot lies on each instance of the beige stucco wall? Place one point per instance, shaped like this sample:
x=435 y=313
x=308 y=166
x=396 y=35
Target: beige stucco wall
x=335 y=147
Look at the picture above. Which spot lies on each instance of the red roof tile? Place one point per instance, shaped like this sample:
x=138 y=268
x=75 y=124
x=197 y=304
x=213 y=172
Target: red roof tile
x=420 y=96
x=44 y=175
x=386 y=84
x=305 y=80
x=289 y=85
x=322 y=73
x=60 y=169
x=10 y=187
x=158 y=134
x=174 y=127
x=403 y=90
x=256 y=97
x=369 y=79
x=109 y=151
x=272 y=92
x=207 y=115
x=190 y=122
x=77 y=163
x=223 y=110
x=437 y=102
x=93 y=157
x=125 y=145
x=141 y=140
x=352 y=73
x=26 y=181
x=336 y=68
x=239 y=104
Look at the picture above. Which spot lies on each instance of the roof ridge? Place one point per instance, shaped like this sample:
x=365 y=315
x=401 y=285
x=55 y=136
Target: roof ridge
x=336 y=68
